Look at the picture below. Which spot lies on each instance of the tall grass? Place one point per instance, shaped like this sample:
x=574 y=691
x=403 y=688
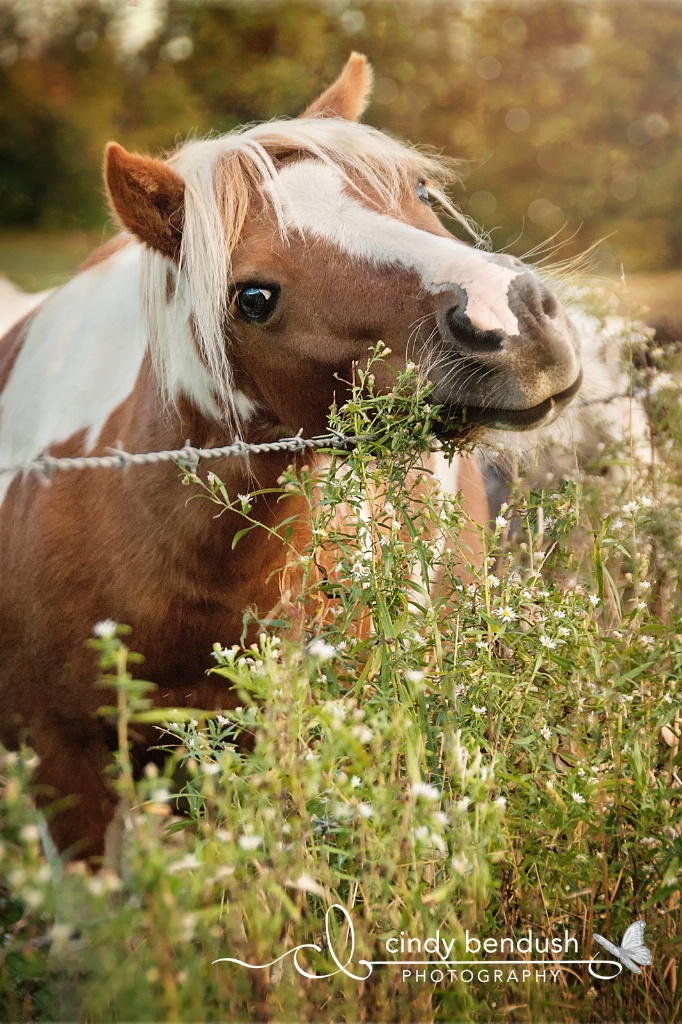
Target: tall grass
x=503 y=756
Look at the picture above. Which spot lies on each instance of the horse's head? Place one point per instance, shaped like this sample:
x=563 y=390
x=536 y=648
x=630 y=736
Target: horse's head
x=293 y=247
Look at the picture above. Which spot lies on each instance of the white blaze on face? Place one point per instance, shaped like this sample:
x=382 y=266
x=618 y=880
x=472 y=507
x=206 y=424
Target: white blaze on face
x=315 y=201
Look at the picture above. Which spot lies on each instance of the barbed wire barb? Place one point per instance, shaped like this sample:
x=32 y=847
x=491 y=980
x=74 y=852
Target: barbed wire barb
x=188 y=456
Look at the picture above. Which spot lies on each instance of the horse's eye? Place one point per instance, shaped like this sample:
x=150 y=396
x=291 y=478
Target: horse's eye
x=423 y=193
x=257 y=303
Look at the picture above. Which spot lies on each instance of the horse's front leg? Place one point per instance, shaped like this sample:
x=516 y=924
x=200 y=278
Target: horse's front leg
x=71 y=785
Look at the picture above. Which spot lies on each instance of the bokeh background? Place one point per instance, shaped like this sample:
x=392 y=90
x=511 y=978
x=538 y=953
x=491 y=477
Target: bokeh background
x=566 y=115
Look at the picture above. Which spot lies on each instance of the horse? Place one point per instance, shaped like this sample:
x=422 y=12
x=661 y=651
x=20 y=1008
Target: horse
x=16 y=304
x=252 y=272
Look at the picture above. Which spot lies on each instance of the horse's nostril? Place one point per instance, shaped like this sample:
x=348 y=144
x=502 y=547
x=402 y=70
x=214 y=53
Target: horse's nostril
x=456 y=319
x=466 y=336
x=550 y=306
x=456 y=312
x=533 y=298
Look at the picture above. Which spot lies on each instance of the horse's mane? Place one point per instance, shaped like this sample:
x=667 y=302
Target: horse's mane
x=222 y=177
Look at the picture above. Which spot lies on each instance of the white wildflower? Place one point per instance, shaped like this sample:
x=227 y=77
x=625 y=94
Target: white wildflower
x=579 y=799
x=501 y=521
x=546 y=732
x=363 y=733
x=414 y=676
x=424 y=790
x=32 y=897
x=365 y=810
x=547 y=642
x=505 y=614
x=188 y=861
x=341 y=811
x=61 y=933
x=319 y=648
x=307 y=884
x=224 y=652
x=661 y=380
x=250 y=842
x=105 y=630
x=594 y=600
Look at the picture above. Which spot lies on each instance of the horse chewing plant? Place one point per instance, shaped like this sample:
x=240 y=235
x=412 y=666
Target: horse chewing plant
x=499 y=756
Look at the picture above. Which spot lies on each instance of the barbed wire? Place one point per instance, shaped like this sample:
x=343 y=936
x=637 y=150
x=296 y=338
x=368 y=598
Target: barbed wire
x=190 y=457
x=187 y=456
x=584 y=402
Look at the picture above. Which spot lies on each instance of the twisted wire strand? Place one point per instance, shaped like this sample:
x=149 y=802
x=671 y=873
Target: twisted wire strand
x=187 y=456
x=190 y=456
x=584 y=402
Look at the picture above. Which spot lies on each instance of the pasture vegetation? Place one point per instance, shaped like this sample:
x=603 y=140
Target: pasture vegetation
x=503 y=757
x=36 y=260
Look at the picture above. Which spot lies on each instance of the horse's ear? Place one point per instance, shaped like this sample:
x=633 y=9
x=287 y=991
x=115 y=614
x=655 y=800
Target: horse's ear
x=147 y=196
x=349 y=95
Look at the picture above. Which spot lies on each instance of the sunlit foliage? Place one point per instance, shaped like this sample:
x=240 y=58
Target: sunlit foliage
x=565 y=114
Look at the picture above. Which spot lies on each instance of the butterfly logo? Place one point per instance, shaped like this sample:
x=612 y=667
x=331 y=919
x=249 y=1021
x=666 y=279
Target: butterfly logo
x=632 y=950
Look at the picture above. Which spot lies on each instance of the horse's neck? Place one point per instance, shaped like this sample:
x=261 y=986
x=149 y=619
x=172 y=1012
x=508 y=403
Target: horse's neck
x=82 y=382
x=79 y=359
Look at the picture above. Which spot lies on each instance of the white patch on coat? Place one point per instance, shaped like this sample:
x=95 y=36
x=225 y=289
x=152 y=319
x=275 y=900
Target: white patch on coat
x=15 y=303
x=80 y=359
x=316 y=201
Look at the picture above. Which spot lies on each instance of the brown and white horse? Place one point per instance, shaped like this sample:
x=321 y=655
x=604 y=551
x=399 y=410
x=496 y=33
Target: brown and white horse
x=254 y=270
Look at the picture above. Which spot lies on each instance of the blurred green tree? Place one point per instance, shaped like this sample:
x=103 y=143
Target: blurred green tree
x=565 y=113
